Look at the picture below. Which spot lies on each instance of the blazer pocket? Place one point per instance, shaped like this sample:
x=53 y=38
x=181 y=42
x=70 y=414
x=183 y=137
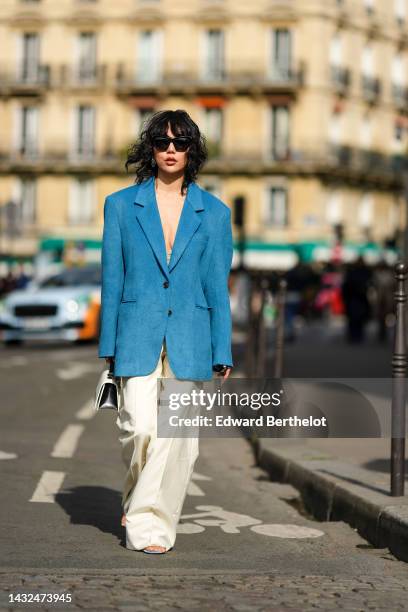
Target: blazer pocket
x=202 y=304
x=129 y=299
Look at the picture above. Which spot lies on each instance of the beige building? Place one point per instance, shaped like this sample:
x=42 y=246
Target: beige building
x=304 y=104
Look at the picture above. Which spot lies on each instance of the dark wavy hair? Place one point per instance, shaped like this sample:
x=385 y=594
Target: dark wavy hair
x=181 y=124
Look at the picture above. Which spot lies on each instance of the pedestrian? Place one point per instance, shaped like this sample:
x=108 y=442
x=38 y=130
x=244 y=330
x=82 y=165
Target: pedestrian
x=165 y=313
x=355 y=286
x=385 y=286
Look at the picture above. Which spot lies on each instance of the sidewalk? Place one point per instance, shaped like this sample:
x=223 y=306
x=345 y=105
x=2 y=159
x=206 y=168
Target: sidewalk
x=342 y=479
x=339 y=478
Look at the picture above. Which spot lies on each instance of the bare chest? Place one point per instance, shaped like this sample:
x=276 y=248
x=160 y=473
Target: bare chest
x=170 y=212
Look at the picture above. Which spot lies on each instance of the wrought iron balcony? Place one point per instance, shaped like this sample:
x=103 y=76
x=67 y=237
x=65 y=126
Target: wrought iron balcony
x=60 y=157
x=331 y=160
x=400 y=96
x=186 y=79
x=371 y=87
x=82 y=76
x=340 y=78
x=26 y=80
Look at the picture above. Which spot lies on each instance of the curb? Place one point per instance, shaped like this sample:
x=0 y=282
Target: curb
x=332 y=490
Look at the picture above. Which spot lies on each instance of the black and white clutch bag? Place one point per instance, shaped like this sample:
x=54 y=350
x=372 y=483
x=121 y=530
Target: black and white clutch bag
x=107 y=391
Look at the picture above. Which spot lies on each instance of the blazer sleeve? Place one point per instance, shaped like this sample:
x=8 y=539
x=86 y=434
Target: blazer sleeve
x=217 y=294
x=112 y=279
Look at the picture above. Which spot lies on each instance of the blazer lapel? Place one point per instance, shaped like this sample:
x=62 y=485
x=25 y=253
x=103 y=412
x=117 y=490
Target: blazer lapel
x=188 y=223
x=147 y=213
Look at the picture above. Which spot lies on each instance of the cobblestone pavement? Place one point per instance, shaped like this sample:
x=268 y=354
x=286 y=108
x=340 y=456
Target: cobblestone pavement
x=204 y=591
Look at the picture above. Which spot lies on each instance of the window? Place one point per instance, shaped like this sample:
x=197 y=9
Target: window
x=86 y=56
x=149 y=56
x=277 y=210
x=335 y=52
x=85 y=131
x=211 y=185
x=398 y=132
x=399 y=136
x=398 y=72
x=27 y=130
x=280 y=132
x=366 y=131
x=334 y=210
x=366 y=211
x=82 y=202
x=369 y=6
x=281 y=51
x=335 y=128
x=141 y=116
x=213 y=128
x=26 y=195
x=400 y=10
x=213 y=68
x=30 y=57
x=367 y=61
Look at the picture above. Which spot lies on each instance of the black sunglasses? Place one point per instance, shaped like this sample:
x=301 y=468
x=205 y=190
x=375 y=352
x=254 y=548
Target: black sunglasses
x=181 y=143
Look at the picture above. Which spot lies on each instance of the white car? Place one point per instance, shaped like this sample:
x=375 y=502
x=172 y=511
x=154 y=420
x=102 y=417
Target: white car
x=64 y=306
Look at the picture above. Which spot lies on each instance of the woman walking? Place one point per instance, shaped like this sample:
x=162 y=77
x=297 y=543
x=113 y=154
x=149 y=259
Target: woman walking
x=165 y=313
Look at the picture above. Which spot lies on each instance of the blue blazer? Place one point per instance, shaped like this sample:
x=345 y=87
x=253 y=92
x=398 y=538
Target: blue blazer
x=144 y=300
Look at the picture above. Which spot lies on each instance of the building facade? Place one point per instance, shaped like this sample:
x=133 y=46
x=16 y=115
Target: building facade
x=304 y=104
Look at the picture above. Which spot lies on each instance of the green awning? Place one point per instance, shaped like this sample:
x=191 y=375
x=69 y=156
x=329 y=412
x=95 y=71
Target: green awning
x=55 y=244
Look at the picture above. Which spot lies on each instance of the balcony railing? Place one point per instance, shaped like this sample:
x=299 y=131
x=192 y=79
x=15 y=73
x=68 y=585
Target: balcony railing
x=352 y=160
x=325 y=159
x=60 y=157
x=27 y=150
x=400 y=96
x=84 y=76
x=340 y=78
x=185 y=79
x=328 y=159
x=371 y=88
x=26 y=80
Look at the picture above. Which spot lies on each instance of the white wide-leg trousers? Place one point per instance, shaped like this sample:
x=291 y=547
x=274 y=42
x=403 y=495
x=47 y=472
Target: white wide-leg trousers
x=158 y=470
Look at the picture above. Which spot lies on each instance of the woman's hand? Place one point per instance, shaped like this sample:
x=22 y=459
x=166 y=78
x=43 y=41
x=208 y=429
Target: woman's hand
x=225 y=372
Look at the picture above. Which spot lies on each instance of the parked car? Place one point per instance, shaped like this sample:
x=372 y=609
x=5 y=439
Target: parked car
x=64 y=306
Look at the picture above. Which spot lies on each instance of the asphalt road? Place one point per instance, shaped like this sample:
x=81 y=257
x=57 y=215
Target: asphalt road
x=244 y=543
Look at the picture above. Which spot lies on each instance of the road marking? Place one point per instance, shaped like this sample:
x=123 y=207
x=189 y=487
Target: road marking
x=216 y=516
x=76 y=370
x=15 y=360
x=4 y=455
x=87 y=411
x=232 y=522
x=48 y=486
x=67 y=443
x=194 y=489
x=287 y=531
x=198 y=476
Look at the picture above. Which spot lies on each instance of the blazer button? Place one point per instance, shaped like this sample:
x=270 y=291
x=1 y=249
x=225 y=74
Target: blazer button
x=170 y=311
x=166 y=284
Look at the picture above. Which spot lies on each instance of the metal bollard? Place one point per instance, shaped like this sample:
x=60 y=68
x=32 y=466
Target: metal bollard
x=250 y=343
x=280 y=328
x=261 y=348
x=399 y=368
